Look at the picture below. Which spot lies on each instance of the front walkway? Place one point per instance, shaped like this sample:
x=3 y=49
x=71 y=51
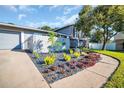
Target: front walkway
x=17 y=70
x=91 y=77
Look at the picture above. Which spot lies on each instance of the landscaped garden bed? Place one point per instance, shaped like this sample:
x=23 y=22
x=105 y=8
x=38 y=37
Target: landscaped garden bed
x=56 y=66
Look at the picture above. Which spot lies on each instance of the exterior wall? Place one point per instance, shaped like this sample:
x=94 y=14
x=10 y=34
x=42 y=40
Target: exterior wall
x=28 y=39
x=35 y=39
x=42 y=44
x=120 y=44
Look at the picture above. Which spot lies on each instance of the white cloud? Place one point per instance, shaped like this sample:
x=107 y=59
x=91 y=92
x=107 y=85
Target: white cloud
x=26 y=8
x=11 y=7
x=39 y=24
x=71 y=20
x=64 y=20
x=68 y=10
x=54 y=6
x=40 y=6
x=20 y=16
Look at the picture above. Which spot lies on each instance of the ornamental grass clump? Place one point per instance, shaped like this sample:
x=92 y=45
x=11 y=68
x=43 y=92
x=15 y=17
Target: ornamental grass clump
x=36 y=55
x=66 y=57
x=49 y=60
x=71 y=51
x=76 y=54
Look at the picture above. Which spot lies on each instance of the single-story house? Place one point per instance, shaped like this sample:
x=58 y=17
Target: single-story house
x=25 y=38
x=76 y=37
x=119 y=41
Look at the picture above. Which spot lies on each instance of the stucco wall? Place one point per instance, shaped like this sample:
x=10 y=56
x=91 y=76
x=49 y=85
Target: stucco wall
x=42 y=44
x=28 y=38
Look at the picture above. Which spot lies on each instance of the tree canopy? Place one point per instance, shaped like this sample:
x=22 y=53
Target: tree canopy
x=45 y=27
x=85 y=20
x=107 y=19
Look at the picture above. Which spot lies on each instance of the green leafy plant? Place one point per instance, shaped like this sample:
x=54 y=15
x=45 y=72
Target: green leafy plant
x=49 y=59
x=37 y=55
x=67 y=57
x=76 y=54
x=71 y=51
x=52 y=37
x=58 y=45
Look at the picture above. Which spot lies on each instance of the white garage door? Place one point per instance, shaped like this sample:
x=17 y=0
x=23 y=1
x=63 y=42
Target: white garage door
x=9 y=40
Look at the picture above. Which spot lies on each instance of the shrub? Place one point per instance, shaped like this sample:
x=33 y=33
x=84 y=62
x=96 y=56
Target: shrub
x=76 y=54
x=49 y=60
x=67 y=57
x=71 y=51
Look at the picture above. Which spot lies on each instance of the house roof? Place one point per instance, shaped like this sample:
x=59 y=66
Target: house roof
x=64 y=27
x=24 y=28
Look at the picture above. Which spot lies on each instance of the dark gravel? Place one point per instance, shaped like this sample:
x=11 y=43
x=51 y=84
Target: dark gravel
x=60 y=69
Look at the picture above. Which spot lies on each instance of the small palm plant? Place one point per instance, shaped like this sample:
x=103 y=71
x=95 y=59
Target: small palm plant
x=51 y=39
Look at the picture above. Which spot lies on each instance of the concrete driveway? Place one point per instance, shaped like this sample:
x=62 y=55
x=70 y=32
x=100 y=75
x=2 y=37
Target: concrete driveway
x=17 y=70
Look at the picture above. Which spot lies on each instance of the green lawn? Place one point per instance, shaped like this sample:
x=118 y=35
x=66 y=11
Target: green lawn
x=117 y=80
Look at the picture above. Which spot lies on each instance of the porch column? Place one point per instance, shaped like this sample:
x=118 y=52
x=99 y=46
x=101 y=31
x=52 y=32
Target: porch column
x=22 y=40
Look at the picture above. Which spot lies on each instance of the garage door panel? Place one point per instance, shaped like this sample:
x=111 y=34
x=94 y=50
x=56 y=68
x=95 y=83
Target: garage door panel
x=9 y=40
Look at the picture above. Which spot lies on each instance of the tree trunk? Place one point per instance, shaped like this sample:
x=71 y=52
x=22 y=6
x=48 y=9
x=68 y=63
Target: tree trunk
x=103 y=46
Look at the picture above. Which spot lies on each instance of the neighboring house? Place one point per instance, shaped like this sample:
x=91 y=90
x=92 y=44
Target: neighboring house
x=119 y=40
x=25 y=38
x=76 y=37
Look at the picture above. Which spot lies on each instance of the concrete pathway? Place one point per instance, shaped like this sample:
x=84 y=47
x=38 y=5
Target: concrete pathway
x=17 y=70
x=91 y=77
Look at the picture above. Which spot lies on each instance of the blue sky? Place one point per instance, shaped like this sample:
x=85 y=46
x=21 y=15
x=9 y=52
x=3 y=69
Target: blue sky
x=36 y=16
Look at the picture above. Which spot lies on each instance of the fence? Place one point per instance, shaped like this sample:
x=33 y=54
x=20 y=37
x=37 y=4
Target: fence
x=109 y=46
